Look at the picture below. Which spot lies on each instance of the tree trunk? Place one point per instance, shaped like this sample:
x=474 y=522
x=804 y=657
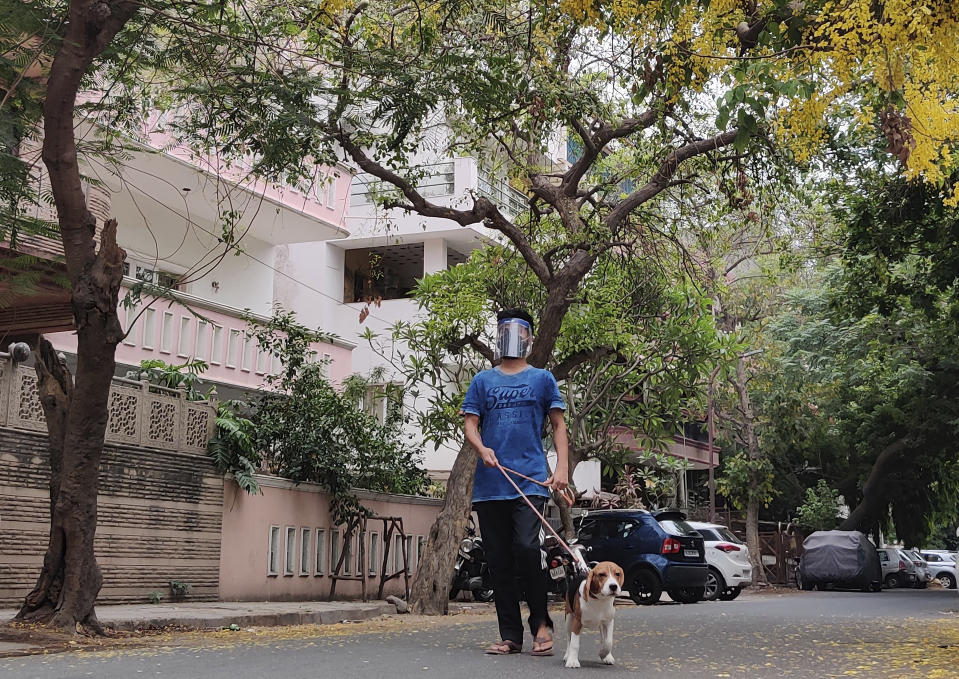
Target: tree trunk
x=752 y=542
x=429 y=594
x=874 y=501
x=70 y=580
x=754 y=453
x=77 y=418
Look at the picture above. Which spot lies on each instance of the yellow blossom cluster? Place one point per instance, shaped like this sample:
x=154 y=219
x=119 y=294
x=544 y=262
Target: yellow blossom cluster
x=877 y=56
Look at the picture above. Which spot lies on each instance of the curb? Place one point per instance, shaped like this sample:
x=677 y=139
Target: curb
x=321 y=617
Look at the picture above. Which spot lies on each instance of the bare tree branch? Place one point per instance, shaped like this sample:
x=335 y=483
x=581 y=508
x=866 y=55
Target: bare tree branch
x=664 y=174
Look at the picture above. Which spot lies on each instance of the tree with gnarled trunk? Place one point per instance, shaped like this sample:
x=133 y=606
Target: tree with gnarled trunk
x=628 y=84
x=283 y=82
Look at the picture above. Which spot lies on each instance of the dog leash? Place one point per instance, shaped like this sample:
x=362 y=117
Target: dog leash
x=577 y=557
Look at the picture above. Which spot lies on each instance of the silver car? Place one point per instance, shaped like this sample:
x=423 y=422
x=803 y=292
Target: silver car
x=942 y=566
x=923 y=572
x=898 y=570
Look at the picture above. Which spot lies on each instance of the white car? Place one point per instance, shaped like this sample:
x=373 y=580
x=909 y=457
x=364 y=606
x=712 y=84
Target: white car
x=942 y=566
x=728 y=559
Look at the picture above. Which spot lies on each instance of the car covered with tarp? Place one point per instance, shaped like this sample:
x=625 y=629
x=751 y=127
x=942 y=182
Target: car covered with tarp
x=840 y=559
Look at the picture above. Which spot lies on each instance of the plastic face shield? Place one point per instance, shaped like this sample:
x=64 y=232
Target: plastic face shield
x=513 y=338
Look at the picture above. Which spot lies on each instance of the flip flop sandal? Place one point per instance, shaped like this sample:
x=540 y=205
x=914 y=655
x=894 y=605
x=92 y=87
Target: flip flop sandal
x=542 y=641
x=505 y=647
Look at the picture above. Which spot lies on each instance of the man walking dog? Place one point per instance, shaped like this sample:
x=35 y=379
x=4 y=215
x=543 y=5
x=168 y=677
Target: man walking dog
x=504 y=411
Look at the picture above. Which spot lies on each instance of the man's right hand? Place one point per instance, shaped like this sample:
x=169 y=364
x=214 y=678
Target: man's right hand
x=488 y=456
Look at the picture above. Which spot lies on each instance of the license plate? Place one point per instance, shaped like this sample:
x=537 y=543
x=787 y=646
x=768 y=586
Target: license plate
x=691 y=552
x=557 y=573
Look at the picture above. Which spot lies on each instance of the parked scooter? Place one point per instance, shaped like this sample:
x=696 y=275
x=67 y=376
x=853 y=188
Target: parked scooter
x=471 y=570
x=561 y=567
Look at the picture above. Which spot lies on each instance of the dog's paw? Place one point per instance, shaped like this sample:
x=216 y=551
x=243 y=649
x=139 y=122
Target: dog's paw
x=572 y=662
x=607 y=659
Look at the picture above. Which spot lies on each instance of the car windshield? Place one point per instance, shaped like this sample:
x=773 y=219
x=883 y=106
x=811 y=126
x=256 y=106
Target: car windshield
x=709 y=534
x=677 y=527
x=728 y=536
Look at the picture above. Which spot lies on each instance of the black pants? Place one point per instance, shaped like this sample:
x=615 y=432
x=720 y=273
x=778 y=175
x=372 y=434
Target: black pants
x=512 y=537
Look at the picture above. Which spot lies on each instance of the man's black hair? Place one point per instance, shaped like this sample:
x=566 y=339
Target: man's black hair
x=521 y=314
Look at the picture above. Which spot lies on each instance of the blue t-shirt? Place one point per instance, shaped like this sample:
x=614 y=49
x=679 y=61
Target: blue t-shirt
x=511 y=409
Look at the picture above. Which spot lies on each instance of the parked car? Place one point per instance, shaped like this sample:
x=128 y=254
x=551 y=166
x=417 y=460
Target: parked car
x=923 y=573
x=658 y=551
x=728 y=560
x=942 y=567
x=843 y=559
x=898 y=569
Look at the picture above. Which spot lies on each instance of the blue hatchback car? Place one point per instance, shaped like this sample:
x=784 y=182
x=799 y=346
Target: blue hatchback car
x=657 y=550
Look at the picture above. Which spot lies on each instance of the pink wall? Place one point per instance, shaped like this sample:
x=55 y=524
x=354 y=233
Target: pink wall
x=170 y=332
x=245 y=548
x=312 y=200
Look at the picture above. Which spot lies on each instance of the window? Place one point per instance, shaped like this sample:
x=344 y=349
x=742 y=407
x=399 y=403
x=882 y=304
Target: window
x=273 y=563
x=374 y=555
x=185 y=341
x=202 y=350
x=166 y=333
x=728 y=536
x=305 y=551
x=275 y=365
x=320 y=565
x=362 y=545
x=334 y=550
x=233 y=349
x=374 y=402
x=331 y=190
x=410 y=555
x=216 y=350
x=398 y=561
x=388 y=272
x=262 y=361
x=249 y=347
x=131 y=326
x=290 y=562
x=420 y=544
x=144 y=273
x=349 y=566
x=149 y=328
x=325 y=366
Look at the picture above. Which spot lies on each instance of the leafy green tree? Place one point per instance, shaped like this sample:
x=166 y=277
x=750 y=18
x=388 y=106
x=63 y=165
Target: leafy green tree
x=308 y=431
x=820 y=511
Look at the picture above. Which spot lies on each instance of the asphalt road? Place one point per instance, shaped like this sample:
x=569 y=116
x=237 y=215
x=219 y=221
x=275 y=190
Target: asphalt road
x=797 y=634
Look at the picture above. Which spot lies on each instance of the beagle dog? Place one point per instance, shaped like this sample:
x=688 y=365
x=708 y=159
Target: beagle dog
x=590 y=605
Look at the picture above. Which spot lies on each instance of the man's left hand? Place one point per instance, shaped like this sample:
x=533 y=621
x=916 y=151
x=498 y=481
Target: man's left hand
x=558 y=481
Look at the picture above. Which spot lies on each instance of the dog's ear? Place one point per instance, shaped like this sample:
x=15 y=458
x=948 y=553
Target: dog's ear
x=593 y=585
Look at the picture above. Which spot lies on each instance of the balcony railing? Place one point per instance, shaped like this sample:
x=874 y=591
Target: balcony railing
x=508 y=199
x=437 y=181
x=140 y=413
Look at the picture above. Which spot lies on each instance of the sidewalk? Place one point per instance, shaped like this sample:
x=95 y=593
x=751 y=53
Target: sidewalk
x=220 y=614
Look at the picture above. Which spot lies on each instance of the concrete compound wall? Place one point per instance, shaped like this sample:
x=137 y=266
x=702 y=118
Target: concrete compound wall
x=159 y=520
x=246 y=572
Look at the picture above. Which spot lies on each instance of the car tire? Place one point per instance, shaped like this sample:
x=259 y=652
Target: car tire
x=715 y=584
x=891 y=581
x=803 y=584
x=875 y=586
x=730 y=593
x=644 y=587
x=947 y=580
x=686 y=595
